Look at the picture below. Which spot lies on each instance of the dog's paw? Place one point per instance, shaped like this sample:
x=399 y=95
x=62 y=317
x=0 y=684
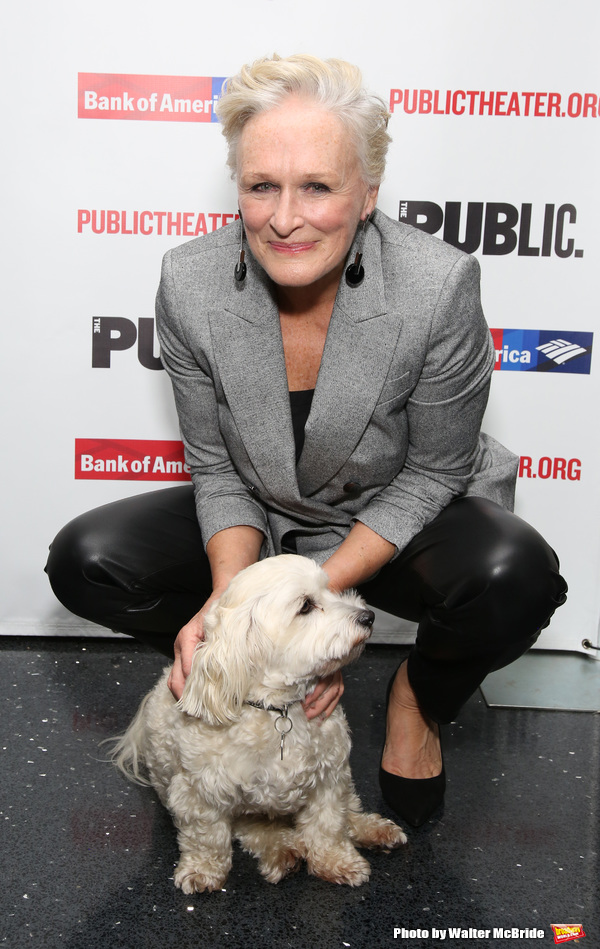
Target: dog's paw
x=387 y=835
x=274 y=843
x=349 y=868
x=276 y=866
x=375 y=832
x=194 y=879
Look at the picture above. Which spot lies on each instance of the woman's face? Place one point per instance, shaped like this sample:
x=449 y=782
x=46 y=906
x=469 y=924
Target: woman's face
x=301 y=193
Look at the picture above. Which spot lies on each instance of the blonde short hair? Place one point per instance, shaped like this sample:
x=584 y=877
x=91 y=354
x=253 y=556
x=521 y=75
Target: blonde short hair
x=332 y=83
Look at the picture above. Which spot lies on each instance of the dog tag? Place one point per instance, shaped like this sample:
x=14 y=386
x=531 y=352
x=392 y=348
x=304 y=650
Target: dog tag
x=283 y=726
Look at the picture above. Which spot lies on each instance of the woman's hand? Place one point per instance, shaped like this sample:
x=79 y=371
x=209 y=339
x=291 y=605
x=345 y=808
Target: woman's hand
x=358 y=557
x=229 y=551
x=321 y=702
x=185 y=646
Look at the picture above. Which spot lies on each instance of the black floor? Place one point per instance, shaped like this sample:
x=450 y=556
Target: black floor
x=88 y=858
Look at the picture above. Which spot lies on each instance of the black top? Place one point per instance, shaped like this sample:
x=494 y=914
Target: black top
x=300 y=403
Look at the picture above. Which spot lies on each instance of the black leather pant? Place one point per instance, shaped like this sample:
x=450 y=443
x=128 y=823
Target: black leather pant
x=480 y=582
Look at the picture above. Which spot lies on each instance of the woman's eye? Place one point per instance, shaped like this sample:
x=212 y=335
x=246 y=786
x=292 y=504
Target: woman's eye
x=263 y=187
x=306 y=607
x=318 y=187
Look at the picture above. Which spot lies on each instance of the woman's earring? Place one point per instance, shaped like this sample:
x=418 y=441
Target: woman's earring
x=240 y=268
x=355 y=273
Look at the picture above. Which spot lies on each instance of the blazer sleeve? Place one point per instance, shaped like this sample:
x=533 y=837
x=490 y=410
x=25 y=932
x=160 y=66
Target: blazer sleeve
x=444 y=413
x=222 y=498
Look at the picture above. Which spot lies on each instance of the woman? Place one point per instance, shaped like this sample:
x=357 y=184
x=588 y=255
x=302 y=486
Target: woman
x=331 y=368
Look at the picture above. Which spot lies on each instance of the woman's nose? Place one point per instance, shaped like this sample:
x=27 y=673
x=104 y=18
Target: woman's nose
x=287 y=213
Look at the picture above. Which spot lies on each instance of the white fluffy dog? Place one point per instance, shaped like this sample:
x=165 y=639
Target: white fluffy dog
x=237 y=757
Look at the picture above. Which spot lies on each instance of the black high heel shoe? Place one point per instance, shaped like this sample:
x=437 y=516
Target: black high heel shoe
x=412 y=799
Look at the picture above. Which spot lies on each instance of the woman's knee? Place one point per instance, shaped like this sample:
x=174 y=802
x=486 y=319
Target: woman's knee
x=510 y=576
x=74 y=566
x=132 y=563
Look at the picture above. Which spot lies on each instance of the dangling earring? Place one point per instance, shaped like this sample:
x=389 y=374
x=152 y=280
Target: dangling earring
x=355 y=273
x=240 y=268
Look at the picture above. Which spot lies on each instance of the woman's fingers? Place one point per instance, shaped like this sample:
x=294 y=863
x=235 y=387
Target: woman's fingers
x=185 y=646
x=321 y=702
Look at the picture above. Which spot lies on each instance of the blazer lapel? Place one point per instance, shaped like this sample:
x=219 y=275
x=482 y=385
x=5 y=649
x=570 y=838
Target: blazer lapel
x=249 y=353
x=361 y=341
x=360 y=344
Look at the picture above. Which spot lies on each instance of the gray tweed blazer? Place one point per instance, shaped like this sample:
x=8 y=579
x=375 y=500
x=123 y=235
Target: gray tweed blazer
x=394 y=430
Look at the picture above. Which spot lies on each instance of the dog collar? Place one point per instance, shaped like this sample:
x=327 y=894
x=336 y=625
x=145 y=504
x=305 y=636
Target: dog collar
x=282 y=709
x=282 y=724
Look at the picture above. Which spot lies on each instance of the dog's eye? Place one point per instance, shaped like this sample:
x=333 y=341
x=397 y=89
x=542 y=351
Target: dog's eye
x=307 y=606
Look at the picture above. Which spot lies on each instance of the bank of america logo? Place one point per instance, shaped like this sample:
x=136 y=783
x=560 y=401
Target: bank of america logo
x=543 y=351
x=561 y=350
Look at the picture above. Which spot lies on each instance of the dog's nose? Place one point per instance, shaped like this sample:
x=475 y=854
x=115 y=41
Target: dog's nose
x=366 y=618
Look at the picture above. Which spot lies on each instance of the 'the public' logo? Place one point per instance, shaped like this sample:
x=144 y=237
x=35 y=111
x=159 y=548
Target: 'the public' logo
x=497 y=228
x=115 y=333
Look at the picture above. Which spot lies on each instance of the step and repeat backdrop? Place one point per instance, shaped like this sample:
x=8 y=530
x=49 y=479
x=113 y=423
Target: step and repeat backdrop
x=113 y=154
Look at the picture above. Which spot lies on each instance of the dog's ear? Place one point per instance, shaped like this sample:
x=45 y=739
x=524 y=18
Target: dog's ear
x=224 y=665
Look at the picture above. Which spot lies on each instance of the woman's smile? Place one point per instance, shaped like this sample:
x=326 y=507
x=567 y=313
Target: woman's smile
x=292 y=248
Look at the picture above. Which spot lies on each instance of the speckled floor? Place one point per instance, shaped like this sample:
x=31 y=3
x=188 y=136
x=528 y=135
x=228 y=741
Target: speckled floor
x=87 y=857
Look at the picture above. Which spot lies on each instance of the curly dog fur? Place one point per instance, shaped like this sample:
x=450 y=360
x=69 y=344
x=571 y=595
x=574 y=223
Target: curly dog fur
x=218 y=763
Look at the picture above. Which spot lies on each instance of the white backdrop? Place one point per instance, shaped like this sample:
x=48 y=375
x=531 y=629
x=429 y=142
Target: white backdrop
x=491 y=106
